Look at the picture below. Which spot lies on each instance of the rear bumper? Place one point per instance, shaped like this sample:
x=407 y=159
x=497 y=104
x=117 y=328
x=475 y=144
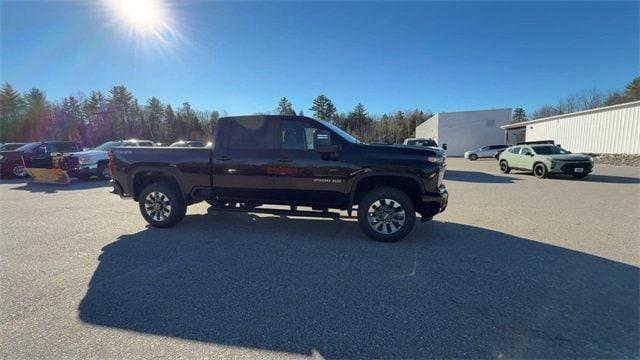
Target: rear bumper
x=118 y=190
x=432 y=204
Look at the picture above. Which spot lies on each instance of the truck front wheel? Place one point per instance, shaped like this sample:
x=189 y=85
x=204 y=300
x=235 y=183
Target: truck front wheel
x=162 y=204
x=386 y=214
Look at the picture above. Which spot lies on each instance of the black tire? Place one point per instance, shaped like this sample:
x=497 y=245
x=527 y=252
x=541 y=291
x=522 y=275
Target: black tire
x=540 y=171
x=16 y=170
x=580 y=175
x=504 y=167
x=153 y=202
x=473 y=157
x=393 y=205
x=103 y=172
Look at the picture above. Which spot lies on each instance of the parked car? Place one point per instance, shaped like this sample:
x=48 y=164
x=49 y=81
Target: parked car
x=498 y=152
x=544 y=160
x=423 y=142
x=484 y=152
x=10 y=146
x=286 y=160
x=190 y=143
x=35 y=154
x=95 y=162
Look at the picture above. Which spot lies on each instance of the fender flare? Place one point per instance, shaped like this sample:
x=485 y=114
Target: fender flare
x=168 y=170
x=370 y=173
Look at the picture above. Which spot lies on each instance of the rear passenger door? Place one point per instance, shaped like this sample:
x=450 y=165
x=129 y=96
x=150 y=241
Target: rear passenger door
x=242 y=156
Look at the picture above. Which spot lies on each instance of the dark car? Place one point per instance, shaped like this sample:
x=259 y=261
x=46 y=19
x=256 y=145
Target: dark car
x=286 y=160
x=189 y=143
x=35 y=154
x=10 y=146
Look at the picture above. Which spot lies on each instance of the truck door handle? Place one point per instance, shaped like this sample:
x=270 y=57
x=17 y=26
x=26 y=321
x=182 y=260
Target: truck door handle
x=284 y=160
x=224 y=158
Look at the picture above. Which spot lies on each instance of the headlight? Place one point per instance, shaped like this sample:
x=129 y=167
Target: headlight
x=84 y=159
x=436 y=159
x=590 y=158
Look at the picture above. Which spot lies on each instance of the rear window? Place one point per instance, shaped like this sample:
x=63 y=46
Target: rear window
x=249 y=134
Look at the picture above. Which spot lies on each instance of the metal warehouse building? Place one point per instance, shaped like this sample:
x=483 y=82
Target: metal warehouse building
x=465 y=130
x=606 y=130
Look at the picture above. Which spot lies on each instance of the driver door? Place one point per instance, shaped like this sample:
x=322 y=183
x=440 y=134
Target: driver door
x=302 y=174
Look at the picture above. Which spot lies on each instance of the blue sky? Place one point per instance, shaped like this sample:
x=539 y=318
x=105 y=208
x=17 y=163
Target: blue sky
x=241 y=57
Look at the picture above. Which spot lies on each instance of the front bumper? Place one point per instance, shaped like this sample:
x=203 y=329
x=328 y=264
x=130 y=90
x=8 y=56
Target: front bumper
x=432 y=204
x=570 y=167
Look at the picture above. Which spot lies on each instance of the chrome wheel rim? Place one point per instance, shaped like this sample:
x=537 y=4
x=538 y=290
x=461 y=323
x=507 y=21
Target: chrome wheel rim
x=386 y=216
x=157 y=206
x=539 y=171
x=19 y=171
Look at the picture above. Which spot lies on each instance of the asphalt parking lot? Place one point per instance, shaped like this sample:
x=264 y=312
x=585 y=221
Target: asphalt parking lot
x=516 y=267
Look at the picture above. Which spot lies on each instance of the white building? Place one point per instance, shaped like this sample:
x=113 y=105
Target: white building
x=465 y=130
x=606 y=130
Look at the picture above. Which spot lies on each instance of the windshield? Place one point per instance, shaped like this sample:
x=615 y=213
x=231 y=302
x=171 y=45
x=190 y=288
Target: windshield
x=108 y=145
x=423 y=142
x=549 y=150
x=28 y=147
x=345 y=135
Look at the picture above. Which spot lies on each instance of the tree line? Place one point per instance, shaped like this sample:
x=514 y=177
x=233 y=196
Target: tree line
x=101 y=117
x=583 y=100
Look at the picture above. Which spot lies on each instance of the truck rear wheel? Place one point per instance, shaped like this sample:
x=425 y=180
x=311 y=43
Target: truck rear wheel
x=386 y=214
x=162 y=204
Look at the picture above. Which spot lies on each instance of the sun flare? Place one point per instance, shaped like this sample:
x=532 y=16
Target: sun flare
x=140 y=14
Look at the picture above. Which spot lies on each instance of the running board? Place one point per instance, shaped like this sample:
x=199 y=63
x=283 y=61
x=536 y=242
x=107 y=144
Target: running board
x=281 y=212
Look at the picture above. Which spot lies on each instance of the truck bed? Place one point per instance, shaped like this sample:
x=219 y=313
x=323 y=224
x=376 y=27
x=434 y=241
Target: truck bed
x=191 y=166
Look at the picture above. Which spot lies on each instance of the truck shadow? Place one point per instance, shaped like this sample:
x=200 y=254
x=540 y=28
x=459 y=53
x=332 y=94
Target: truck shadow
x=478 y=177
x=306 y=285
x=75 y=184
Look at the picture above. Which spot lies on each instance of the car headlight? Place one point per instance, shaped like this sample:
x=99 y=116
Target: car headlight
x=590 y=158
x=84 y=159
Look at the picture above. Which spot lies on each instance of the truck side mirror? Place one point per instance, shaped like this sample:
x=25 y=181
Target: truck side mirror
x=444 y=146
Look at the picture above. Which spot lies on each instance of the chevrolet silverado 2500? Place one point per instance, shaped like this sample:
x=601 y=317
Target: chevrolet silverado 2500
x=286 y=160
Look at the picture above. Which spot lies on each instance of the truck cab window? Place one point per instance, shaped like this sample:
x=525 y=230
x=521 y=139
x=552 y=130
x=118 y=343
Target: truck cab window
x=297 y=135
x=249 y=134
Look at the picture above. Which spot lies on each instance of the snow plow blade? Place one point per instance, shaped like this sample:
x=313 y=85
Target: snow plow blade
x=48 y=176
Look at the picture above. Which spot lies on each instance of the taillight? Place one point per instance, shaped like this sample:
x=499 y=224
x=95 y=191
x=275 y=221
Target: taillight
x=110 y=163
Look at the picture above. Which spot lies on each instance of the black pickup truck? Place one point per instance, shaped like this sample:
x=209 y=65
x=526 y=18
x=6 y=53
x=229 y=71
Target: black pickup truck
x=286 y=160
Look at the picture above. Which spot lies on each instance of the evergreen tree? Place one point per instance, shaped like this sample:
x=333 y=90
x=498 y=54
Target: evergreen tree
x=300 y=113
x=73 y=118
x=632 y=90
x=36 y=118
x=323 y=108
x=120 y=111
x=172 y=125
x=518 y=115
x=154 y=119
x=285 y=107
x=98 y=129
x=11 y=106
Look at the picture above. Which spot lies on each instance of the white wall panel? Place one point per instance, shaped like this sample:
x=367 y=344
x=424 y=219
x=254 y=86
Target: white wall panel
x=609 y=130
